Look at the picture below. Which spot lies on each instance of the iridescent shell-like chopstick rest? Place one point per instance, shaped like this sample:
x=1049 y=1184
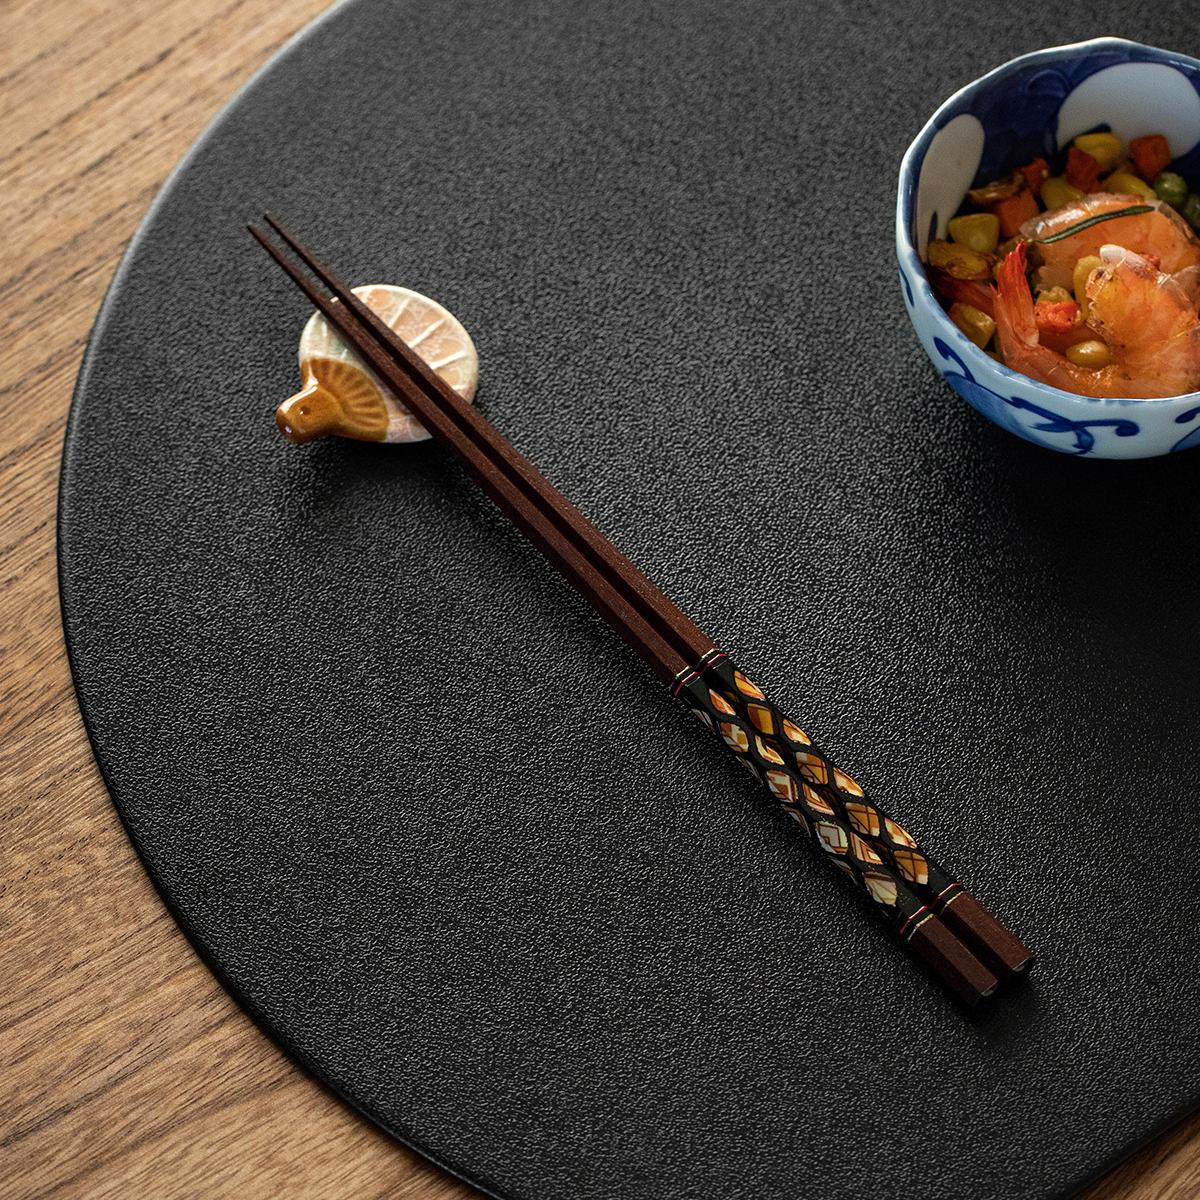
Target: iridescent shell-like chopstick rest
x=341 y=397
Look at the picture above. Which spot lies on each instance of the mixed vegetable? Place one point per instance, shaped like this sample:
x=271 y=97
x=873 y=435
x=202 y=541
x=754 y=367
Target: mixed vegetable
x=1081 y=278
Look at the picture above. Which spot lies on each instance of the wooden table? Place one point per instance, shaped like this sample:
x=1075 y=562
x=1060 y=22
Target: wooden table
x=125 y=1070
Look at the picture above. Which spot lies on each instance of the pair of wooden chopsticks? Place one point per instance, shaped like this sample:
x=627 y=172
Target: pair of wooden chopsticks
x=943 y=924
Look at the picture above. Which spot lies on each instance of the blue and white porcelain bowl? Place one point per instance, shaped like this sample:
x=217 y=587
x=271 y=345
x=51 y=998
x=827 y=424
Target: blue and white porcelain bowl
x=1034 y=106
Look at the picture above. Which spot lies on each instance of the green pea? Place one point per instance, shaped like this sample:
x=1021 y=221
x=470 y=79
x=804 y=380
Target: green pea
x=1172 y=189
x=1191 y=210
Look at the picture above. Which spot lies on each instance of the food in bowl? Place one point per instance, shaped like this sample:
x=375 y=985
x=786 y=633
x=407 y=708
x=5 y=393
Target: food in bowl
x=1088 y=279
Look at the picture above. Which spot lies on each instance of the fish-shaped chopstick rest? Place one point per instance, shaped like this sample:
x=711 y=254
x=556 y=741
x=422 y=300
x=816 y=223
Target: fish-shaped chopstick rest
x=341 y=397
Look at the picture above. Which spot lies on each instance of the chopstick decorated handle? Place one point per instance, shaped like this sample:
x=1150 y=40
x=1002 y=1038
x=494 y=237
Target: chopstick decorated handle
x=876 y=852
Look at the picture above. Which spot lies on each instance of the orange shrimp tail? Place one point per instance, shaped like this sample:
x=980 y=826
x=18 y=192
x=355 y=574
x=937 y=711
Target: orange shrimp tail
x=1016 y=323
x=965 y=291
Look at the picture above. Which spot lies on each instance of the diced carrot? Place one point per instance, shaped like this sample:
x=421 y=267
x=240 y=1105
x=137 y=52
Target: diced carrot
x=1151 y=155
x=1055 y=316
x=1083 y=171
x=1036 y=173
x=964 y=291
x=1015 y=211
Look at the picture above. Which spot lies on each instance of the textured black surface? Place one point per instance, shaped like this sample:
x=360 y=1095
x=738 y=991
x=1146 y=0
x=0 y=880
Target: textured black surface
x=433 y=824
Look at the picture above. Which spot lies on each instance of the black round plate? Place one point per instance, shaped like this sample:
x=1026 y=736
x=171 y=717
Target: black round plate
x=432 y=824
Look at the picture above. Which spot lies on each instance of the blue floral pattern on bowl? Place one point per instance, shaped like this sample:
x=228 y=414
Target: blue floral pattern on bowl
x=1191 y=439
x=1034 y=106
x=993 y=405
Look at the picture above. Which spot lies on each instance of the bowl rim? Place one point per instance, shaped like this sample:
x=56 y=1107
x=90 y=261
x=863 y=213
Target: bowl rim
x=972 y=355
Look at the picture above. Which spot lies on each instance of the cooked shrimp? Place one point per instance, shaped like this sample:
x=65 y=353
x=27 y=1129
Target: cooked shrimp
x=1148 y=320
x=1162 y=234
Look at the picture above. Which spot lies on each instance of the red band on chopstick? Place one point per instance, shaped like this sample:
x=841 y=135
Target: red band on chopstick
x=689 y=673
x=924 y=912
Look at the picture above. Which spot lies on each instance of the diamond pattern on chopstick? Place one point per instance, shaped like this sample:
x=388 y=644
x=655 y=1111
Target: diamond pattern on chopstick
x=884 y=859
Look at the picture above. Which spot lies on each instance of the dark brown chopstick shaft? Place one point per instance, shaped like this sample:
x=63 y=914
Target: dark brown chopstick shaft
x=674 y=625
x=615 y=609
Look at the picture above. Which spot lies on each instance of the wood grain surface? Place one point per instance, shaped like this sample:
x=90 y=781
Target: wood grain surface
x=124 y=1069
